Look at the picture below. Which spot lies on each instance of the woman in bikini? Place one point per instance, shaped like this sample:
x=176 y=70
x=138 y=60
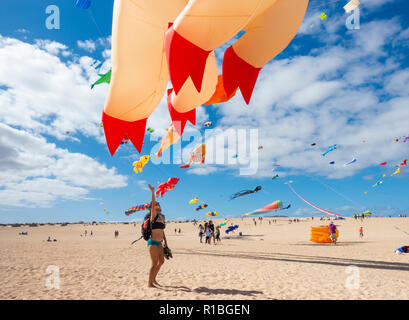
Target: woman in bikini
x=155 y=242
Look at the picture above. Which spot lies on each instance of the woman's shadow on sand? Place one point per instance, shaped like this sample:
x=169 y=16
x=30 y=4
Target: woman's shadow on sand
x=209 y=291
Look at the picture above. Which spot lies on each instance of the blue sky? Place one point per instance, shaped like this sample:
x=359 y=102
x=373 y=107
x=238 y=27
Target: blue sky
x=330 y=86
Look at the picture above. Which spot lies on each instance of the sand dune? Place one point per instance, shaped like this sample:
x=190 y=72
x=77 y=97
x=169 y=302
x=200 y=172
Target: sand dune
x=274 y=261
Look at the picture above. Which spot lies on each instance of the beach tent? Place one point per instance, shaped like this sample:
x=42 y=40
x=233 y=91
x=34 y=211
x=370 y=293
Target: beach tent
x=321 y=235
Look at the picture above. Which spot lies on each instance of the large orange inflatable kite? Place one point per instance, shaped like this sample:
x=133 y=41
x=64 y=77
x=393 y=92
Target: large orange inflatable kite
x=322 y=235
x=155 y=40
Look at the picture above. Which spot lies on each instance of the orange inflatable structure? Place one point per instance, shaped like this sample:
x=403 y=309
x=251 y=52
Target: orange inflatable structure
x=321 y=235
x=153 y=41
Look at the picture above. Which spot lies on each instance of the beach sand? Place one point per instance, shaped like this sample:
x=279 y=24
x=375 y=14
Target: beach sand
x=274 y=261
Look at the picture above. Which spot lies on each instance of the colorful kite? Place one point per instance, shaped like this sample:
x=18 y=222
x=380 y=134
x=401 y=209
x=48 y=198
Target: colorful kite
x=244 y=192
x=377 y=184
x=231 y=228
x=323 y=16
x=212 y=214
x=171 y=137
x=202 y=206
x=330 y=148
x=142 y=207
x=208 y=124
x=314 y=206
x=143 y=59
x=275 y=177
x=198 y=155
x=403 y=163
x=383 y=163
x=104 y=78
x=138 y=165
x=150 y=130
x=350 y=162
x=260 y=147
x=396 y=172
x=166 y=186
x=274 y=206
x=194 y=200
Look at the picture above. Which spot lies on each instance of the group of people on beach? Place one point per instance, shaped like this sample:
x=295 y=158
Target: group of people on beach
x=209 y=231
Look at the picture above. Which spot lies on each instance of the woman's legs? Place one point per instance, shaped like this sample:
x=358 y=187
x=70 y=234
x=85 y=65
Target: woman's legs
x=156 y=253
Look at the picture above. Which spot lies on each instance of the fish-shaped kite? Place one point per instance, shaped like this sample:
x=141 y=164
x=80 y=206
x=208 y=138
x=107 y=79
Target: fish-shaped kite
x=171 y=137
x=202 y=206
x=198 y=155
x=138 y=165
x=383 y=163
x=166 y=186
x=194 y=200
x=330 y=148
x=244 y=192
x=377 y=184
x=275 y=177
x=403 y=163
x=208 y=124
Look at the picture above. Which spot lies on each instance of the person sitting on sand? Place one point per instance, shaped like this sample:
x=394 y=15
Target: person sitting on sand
x=156 y=250
x=332 y=230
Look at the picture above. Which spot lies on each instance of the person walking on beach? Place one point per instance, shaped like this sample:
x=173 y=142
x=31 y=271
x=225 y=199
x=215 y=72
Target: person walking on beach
x=207 y=233
x=155 y=247
x=211 y=227
x=218 y=234
x=201 y=233
x=332 y=230
x=361 y=232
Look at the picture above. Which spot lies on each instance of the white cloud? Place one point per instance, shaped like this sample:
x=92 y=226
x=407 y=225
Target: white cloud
x=36 y=173
x=87 y=45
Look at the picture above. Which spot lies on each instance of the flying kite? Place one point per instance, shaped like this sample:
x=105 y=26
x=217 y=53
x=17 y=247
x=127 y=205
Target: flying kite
x=148 y=49
x=351 y=5
x=212 y=214
x=220 y=94
x=275 y=177
x=95 y=64
x=194 y=200
x=166 y=186
x=208 y=124
x=403 y=163
x=330 y=148
x=202 y=206
x=396 y=172
x=138 y=165
x=276 y=205
x=235 y=156
x=350 y=162
x=383 y=163
x=313 y=144
x=244 y=192
x=260 y=147
x=377 y=184
x=106 y=77
x=198 y=155
x=142 y=207
x=83 y=4
x=332 y=162
x=171 y=137
x=314 y=206
x=150 y=130
x=323 y=16
x=231 y=228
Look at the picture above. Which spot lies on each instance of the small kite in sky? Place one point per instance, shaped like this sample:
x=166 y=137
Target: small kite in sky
x=202 y=206
x=208 y=124
x=313 y=144
x=150 y=130
x=166 y=186
x=244 y=192
x=332 y=162
x=330 y=148
x=403 y=163
x=351 y=5
x=350 y=162
x=377 y=184
x=383 y=163
x=138 y=165
x=396 y=172
x=275 y=177
x=198 y=155
x=106 y=77
x=323 y=16
x=194 y=200
x=212 y=214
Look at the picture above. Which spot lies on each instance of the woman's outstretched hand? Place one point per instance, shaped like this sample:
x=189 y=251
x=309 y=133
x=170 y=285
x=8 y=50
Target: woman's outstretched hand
x=151 y=188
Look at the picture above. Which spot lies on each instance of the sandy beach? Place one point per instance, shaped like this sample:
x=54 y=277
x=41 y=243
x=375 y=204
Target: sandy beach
x=270 y=261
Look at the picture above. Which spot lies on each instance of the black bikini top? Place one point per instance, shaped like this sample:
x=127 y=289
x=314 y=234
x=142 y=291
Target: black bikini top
x=159 y=222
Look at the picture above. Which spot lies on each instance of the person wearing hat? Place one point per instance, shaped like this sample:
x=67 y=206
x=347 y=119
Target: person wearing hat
x=333 y=234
